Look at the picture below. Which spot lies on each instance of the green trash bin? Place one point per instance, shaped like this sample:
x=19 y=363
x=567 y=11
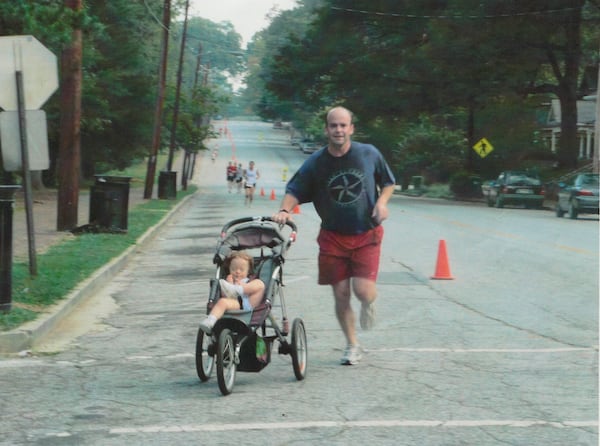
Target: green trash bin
x=417 y=182
x=109 y=202
x=167 y=185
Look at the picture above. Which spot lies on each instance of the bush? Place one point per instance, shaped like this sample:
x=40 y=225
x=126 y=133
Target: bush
x=465 y=184
x=428 y=150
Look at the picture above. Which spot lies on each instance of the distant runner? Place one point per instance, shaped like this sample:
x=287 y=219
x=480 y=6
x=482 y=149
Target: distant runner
x=251 y=175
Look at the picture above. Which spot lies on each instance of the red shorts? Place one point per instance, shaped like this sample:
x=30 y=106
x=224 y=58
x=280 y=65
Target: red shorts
x=344 y=256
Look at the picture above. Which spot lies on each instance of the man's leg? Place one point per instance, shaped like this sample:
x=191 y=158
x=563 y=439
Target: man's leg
x=343 y=310
x=365 y=290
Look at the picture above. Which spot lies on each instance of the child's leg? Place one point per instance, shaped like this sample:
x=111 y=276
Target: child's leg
x=222 y=305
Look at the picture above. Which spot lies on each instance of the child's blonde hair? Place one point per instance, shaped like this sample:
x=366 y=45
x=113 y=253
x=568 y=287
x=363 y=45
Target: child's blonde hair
x=241 y=255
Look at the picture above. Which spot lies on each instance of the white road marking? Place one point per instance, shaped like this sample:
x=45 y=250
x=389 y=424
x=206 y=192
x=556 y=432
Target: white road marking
x=482 y=350
x=35 y=362
x=353 y=424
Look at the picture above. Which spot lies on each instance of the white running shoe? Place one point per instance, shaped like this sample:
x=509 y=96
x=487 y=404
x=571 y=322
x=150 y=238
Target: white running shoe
x=352 y=355
x=228 y=289
x=207 y=325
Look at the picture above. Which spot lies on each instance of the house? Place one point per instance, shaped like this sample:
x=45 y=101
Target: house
x=586 y=121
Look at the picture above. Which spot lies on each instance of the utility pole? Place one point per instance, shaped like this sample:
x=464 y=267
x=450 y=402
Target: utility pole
x=160 y=98
x=596 y=165
x=198 y=62
x=69 y=157
x=178 y=91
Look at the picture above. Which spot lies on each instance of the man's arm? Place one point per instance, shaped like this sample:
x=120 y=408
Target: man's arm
x=380 y=210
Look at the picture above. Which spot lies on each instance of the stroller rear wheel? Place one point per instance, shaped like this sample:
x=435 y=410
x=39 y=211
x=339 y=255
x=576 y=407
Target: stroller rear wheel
x=299 y=349
x=226 y=364
x=204 y=361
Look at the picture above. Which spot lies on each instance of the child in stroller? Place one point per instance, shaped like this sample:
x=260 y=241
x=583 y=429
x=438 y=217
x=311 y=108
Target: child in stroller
x=243 y=292
x=240 y=328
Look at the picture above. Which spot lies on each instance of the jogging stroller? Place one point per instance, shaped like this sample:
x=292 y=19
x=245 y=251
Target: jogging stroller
x=242 y=340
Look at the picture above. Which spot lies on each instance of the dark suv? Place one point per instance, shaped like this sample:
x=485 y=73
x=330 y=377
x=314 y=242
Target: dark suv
x=515 y=188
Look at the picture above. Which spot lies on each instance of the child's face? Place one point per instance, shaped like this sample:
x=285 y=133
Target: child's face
x=239 y=269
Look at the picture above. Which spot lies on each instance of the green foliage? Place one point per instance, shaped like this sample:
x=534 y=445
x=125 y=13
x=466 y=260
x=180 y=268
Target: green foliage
x=268 y=47
x=118 y=84
x=121 y=54
x=437 y=190
x=391 y=62
x=48 y=21
x=428 y=150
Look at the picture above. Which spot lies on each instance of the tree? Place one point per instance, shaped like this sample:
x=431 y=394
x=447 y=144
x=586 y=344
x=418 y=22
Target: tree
x=392 y=61
x=120 y=59
x=550 y=51
x=286 y=28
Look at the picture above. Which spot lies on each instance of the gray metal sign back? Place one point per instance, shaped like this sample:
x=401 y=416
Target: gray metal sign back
x=38 y=65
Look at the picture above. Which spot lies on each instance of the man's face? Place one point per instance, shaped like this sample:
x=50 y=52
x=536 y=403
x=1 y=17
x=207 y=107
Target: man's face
x=339 y=128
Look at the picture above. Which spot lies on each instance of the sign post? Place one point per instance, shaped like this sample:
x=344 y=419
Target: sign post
x=29 y=69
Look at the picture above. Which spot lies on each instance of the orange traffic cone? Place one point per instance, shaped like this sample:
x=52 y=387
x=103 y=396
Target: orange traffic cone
x=442 y=268
x=296 y=210
x=272 y=194
x=262 y=191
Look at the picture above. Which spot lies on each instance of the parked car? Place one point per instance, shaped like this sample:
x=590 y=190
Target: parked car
x=578 y=196
x=308 y=146
x=514 y=188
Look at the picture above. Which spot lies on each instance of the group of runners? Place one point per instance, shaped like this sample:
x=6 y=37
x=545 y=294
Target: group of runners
x=238 y=177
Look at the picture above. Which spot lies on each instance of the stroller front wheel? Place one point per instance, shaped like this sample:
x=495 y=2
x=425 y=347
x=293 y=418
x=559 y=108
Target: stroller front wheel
x=299 y=349
x=204 y=361
x=226 y=364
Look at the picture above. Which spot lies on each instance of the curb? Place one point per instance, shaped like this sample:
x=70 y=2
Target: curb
x=26 y=336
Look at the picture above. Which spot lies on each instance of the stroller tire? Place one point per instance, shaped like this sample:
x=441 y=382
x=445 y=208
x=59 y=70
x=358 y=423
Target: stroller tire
x=299 y=349
x=226 y=363
x=204 y=361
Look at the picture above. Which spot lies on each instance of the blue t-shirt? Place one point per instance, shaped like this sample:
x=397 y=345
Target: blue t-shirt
x=343 y=189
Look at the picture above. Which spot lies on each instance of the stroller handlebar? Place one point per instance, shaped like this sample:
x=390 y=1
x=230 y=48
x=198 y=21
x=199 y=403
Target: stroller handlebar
x=238 y=221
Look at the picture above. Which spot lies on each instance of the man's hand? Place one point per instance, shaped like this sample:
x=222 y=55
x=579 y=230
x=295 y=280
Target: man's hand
x=281 y=217
x=380 y=213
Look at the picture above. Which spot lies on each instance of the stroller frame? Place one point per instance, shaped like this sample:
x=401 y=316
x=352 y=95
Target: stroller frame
x=242 y=340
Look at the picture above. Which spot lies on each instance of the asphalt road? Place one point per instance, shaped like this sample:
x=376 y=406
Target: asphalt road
x=505 y=353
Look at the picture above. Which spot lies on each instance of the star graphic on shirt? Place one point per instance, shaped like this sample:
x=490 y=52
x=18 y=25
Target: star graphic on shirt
x=345 y=187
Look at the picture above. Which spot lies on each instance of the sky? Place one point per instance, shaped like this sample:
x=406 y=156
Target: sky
x=247 y=16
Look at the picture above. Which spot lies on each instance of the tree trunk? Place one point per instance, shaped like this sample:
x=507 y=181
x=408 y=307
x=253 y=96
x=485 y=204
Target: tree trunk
x=568 y=150
x=69 y=159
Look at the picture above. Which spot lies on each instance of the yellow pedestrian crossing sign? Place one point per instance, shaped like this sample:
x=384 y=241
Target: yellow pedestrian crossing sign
x=483 y=147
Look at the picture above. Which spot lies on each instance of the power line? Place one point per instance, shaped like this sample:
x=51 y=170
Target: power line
x=454 y=16
x=156 y=19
